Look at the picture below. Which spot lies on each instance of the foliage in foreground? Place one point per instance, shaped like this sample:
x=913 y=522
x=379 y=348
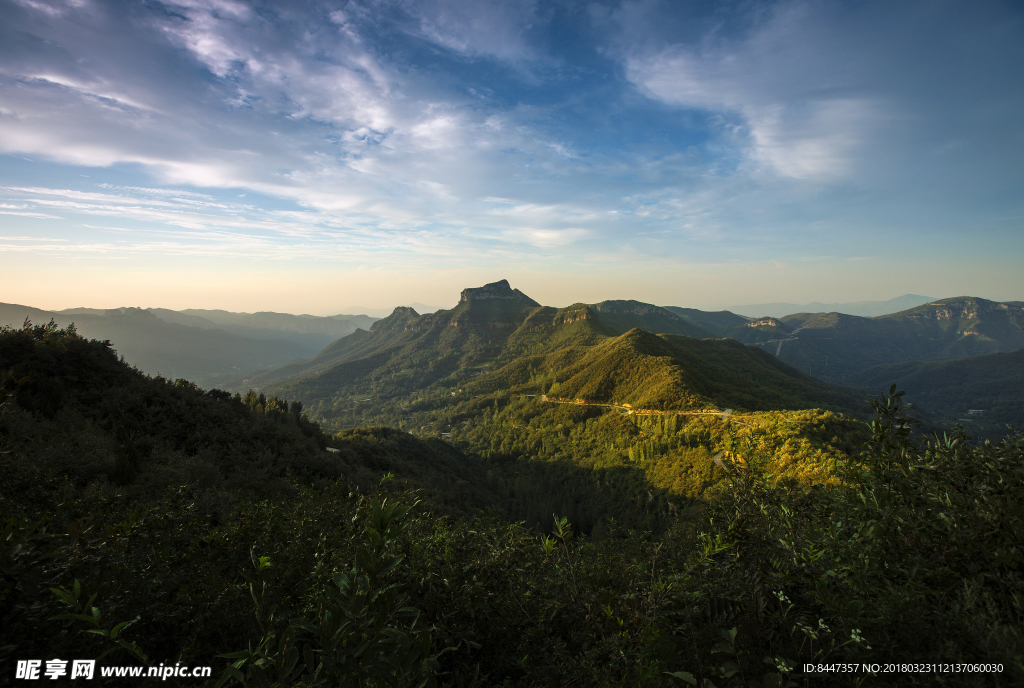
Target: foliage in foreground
x=914 y=555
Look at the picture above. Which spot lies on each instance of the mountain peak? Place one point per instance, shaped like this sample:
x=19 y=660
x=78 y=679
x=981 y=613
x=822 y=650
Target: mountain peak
x=497 y=290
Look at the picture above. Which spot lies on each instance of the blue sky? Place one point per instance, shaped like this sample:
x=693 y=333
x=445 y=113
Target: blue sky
x=303 y=157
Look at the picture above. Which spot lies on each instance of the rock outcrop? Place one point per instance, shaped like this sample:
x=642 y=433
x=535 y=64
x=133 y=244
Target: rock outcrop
x=497 y=290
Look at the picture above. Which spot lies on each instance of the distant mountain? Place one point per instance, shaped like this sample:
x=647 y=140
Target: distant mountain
x=868 y=309
x=424 y=348
x=310 y=331
x=384 y=312
x=625 y=315
x=983 y=393
x=203 y=355
x=497 y=338
x=835 y=346
x=719 y=323
x=503 y=312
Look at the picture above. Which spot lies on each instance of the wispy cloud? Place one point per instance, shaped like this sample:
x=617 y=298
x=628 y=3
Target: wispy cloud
x=447 y=131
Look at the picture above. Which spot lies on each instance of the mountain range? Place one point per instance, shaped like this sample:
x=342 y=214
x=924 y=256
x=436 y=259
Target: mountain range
x=495 y=333
x=499 y=339
x=377 y=313
x=836 y=347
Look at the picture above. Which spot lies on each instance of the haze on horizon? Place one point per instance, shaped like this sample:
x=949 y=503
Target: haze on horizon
x=307 y=156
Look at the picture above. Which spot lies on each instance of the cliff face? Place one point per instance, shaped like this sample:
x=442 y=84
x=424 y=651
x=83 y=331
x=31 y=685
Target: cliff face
x=497 y=290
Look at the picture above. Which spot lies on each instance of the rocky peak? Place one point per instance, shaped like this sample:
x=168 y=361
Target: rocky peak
x=767 y=322
x=398 y=318
x=497 y=290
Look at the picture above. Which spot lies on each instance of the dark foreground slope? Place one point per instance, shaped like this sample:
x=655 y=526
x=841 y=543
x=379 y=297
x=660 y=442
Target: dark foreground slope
x=90 y=417
x=214 y=525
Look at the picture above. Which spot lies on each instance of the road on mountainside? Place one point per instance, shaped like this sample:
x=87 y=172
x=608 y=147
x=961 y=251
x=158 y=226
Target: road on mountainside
x=724 y=413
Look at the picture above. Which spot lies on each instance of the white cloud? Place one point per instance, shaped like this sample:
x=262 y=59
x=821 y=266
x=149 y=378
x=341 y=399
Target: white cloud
x=862 y=96
x=373 y=148
x=546 y=238
x=782 y=90
x=497 y=29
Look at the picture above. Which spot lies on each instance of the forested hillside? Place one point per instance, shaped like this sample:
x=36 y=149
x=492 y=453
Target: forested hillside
x=701 y=549
x=510 y=344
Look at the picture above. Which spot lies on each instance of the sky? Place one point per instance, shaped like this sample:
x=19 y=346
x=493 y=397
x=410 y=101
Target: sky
x=307 y=156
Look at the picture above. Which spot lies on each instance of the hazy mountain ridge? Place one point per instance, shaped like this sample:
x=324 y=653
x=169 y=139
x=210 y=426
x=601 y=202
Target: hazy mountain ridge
x=719 y=323
x=189 y=345
x=207 y=356
x=867 y=309
x=310 y=330
x=625 y=315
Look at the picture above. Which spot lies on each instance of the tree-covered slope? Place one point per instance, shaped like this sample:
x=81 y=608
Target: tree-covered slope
x=90 y=416
x=669 y=372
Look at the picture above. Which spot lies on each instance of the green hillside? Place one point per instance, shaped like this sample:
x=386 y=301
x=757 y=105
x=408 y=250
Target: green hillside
x=498 y=323
x=668 y=372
